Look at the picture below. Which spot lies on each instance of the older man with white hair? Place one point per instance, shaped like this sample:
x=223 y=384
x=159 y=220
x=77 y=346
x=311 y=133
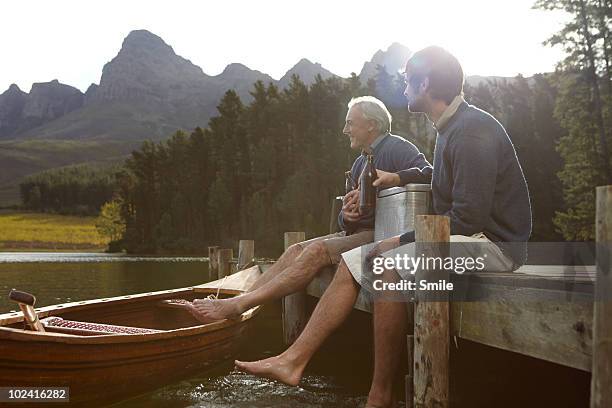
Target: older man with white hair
x=368 y=126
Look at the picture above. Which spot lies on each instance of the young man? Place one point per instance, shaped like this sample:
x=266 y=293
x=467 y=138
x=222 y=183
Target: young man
x=368 y=126
x=477 y=182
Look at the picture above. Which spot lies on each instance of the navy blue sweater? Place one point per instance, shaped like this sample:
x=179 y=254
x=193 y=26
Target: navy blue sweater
x=478 y=182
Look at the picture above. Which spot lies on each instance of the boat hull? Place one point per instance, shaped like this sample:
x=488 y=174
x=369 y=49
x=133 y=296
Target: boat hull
x=105 y=368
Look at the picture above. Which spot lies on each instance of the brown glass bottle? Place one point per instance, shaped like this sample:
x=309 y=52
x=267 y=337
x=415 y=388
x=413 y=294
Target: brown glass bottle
x=349 y=184
x=367 y=192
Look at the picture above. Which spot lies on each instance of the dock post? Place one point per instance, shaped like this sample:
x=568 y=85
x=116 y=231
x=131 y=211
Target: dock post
x=431 y=319
x=246 y=253
x=333 y=217
x=213 y=266
x=409 y=378
x=294 y=305
x=224 y=262
x=601 y=379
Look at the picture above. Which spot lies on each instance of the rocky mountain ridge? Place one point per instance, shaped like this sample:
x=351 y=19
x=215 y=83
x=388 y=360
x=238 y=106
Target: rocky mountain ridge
x=148 y=91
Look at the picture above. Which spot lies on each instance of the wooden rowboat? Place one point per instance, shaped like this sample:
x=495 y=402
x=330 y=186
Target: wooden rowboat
x=102 y=368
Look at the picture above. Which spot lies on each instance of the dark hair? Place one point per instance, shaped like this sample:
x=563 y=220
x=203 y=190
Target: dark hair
x=441 y=67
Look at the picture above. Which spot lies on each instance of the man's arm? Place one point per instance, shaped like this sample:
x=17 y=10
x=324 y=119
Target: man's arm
x=411 y=165
x=349 y=213
x=474 y=165
x=353 y=196
x=473 y=160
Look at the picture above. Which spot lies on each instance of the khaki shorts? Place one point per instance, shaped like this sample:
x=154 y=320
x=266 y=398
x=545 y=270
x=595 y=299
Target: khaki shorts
x=473 y=246
x=336 y=244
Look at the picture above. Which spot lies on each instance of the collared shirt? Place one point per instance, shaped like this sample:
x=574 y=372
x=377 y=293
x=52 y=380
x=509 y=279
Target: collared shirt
x=449 y=112
x=377 y=141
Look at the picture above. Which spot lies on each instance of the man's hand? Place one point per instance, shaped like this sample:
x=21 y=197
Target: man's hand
x=386 y=180
x=350 y=206
x=382 y=247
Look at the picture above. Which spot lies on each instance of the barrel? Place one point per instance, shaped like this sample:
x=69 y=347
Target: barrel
x=397 y=208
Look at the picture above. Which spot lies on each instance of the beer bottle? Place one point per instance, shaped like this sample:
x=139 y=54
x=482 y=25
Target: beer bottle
x=349 y=184
x=367 y=192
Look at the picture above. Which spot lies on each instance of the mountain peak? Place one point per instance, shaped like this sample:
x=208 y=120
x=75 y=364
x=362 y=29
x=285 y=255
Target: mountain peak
x=235 y=68
x=307 y=71
x=144 y=38
x=306 y=61
x=393 y=59
x=147 y=69
x=14 y=88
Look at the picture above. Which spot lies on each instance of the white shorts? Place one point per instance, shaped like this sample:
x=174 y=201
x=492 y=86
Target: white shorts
x=478 y=245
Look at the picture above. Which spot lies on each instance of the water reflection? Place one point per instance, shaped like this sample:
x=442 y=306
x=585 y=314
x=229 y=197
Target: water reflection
x=66 y=277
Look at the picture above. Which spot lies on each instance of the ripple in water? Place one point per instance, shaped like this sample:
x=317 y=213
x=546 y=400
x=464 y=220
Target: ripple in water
x=240 y=390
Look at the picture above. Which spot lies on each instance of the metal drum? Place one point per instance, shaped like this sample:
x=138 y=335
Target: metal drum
x=397 y=208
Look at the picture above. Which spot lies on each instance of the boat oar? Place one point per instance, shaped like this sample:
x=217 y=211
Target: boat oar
x=26 y=304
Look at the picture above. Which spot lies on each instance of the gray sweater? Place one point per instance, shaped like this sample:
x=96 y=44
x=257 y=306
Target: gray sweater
x=478 y=182
x=395 y=155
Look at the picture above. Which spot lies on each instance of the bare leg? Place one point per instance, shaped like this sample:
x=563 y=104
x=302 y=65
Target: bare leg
x=333 y=308
x=295 y=277
x=286 y=259
x=389 y=332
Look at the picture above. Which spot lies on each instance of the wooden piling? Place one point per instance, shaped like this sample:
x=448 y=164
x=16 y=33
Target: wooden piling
x=294 y=305
x=246 y=253
x=224 y=262
x=409 y=378
x=601 y=379
x=333 y=217
x=213 y=267
x=431 y=325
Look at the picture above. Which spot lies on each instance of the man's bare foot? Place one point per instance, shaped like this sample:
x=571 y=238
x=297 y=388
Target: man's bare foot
x=275 y=368
x=381 y=400
x=217 y=309
x=199 y=317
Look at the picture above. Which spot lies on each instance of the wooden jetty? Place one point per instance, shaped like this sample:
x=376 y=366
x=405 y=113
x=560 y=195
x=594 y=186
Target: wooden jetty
x=557 y=313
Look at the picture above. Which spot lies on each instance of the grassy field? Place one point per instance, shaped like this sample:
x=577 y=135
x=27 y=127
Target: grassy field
x=35 y=231
x=25 y=157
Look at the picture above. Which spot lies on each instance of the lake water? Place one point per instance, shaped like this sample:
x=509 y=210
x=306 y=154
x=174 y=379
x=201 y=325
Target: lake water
x=338 y=376
x=65 y=277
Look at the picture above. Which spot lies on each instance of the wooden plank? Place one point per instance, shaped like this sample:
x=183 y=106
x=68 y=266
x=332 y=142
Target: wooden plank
x=601 y=380
x=213 y=268
x=522 y=316
x=581 y=272
x=532 y=322
x=295 y=313
x=431 y=319
x=224 y=262
x=246 y=253
x=241 y=280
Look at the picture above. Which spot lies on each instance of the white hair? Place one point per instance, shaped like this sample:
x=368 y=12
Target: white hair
x=373 y=109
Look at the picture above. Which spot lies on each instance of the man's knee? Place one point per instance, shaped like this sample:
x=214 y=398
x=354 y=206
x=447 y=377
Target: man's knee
x=317 y=252
x=294 y=250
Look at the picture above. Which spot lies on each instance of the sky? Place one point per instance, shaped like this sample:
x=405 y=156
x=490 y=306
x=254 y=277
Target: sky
x=72 y=40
